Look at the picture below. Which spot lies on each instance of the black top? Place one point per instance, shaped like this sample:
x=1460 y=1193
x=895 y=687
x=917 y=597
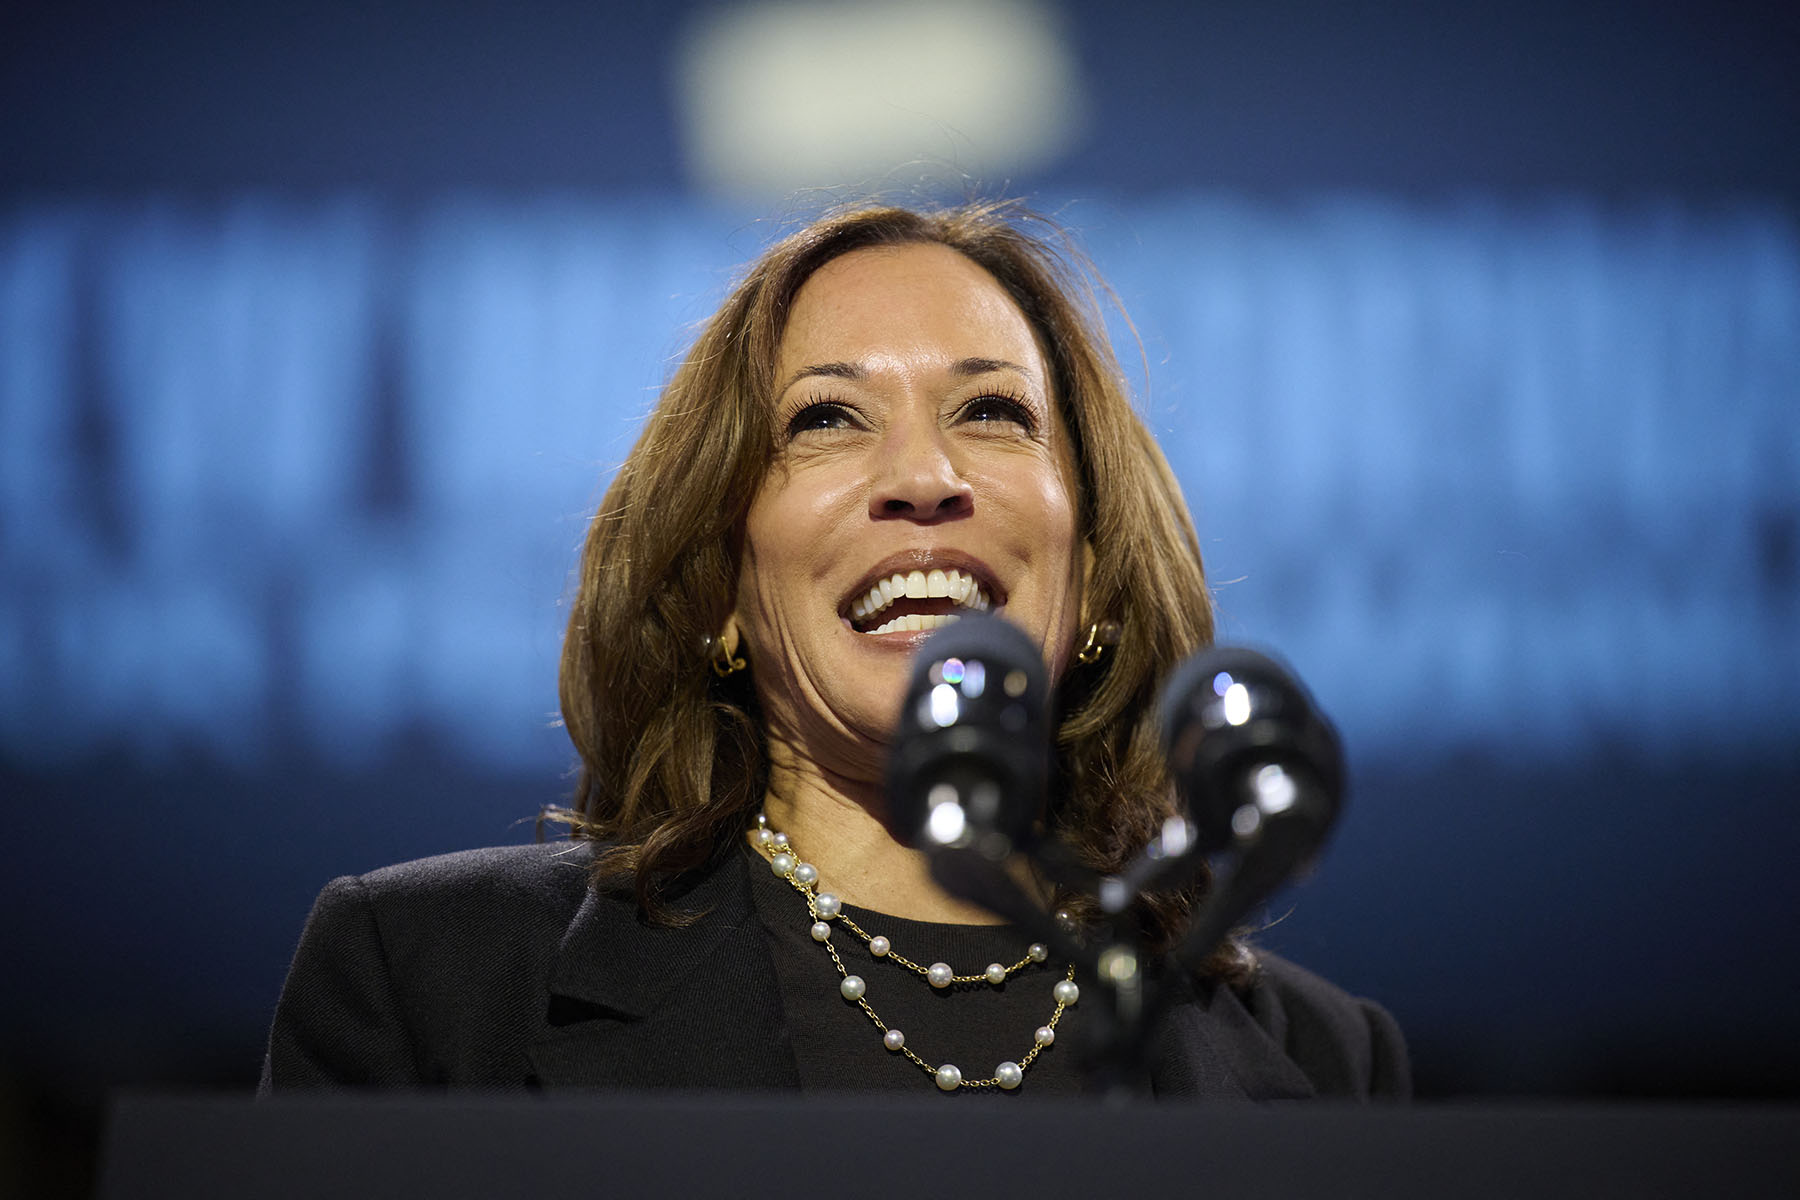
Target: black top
x=503 y=969
x=976 y=1026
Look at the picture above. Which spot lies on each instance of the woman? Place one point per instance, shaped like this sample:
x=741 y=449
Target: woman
x=896 y=416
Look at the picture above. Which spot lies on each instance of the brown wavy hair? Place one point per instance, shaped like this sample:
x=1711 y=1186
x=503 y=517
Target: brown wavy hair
x=672 y=757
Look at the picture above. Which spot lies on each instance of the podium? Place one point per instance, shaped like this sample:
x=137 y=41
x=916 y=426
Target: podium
x=445 y=1147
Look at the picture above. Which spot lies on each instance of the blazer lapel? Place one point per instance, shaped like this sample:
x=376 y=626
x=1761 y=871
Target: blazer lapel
x=637 y=1006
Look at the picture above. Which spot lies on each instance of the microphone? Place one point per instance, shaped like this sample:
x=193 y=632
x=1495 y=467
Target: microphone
x=970 y=762
x=1261 y=772
x=1235 y=723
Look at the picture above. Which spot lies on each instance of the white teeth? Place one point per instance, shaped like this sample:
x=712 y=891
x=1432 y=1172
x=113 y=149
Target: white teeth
x=916 y=623
x=951 y=584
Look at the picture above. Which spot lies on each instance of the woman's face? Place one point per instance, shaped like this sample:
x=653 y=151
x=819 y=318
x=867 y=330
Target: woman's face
x=919 y=445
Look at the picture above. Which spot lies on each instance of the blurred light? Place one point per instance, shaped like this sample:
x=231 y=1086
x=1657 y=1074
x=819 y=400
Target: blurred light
x=1275 y=790
x=1246 y=820
x=1176 y=833
x=947 y=822
x=1237 y=704
x=945 y=706
x=784 y=96
x=952 y=670
x=974 y=679
x=1118 y=965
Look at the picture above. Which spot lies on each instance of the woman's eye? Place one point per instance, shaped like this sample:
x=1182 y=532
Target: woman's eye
x=986 y=409
x=824 y=415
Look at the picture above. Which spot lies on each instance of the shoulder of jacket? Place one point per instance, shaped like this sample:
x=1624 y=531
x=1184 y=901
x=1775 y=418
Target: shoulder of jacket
x=1286 y=997
x=554 y=874
x=1294 y=984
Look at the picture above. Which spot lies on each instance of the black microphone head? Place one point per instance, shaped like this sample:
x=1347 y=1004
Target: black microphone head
x=1228 y=715
x=969 y=763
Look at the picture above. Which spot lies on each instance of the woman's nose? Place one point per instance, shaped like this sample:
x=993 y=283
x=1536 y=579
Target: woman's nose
x=916 y=478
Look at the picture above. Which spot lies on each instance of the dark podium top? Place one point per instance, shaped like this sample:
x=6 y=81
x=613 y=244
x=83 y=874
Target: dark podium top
x=619 y=1144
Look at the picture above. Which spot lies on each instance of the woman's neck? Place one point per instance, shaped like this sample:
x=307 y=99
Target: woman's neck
x=835 y=826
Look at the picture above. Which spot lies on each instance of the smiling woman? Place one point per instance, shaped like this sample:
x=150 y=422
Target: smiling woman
x=895 y=417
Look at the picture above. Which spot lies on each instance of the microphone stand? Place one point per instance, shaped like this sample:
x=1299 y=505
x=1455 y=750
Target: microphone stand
x=1115 y=960
x=1276 y=830
x=1281 y=820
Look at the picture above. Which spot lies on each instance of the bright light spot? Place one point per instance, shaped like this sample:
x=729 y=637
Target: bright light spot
x=1176 y=833
x=782 y=96
x=953 y=670
x=1221 y=682
x=1237 y=704
x=1275 y=790
x=1246 y=820
x=974 y=679
x=946 y=823
x=1015 y=683
x=1118 y=964
x=945 y=707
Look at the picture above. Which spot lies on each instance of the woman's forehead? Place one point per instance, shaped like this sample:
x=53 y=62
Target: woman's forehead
x=886 y=306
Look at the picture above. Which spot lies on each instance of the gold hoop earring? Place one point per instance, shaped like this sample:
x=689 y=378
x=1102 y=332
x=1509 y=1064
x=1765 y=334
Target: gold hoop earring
x=1100 y=635
x=724 y=662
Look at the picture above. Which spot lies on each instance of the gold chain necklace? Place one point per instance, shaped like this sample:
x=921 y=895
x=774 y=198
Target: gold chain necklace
x=825 y=908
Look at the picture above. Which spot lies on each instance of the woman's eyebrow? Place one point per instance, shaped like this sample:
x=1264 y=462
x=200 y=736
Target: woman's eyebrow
x=834 y=370
x=981 y=366
x=855 y=371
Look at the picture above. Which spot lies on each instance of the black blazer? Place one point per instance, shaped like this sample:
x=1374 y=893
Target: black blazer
x=502 y=968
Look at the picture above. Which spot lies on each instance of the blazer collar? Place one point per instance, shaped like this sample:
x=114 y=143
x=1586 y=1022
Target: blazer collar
x=642 y=1006
x=611 y=957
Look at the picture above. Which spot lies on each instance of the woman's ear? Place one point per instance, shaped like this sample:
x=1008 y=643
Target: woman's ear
x=722 y=649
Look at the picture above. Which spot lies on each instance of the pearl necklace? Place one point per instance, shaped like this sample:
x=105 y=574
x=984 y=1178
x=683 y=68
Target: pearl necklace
x=825 y=908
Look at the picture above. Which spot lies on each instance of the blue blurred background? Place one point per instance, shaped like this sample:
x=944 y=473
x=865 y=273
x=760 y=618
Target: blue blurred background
x=1473 y=332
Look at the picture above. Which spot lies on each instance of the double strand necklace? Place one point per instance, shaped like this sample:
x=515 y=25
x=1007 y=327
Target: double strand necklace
x=825 y=908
